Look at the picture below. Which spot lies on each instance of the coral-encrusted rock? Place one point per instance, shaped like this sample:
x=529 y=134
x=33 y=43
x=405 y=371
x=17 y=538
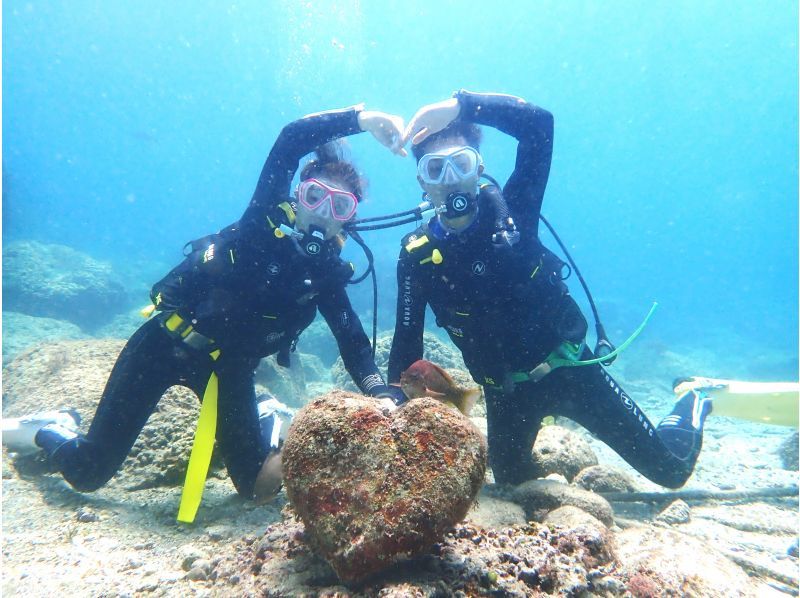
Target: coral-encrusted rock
x=374 y=487
x=538 y=497
x=55 y=281
x=72 y=374
x=21 y=331
x=558 y=450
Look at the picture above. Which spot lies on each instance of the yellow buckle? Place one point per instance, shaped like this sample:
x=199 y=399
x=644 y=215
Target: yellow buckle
x=173 y=322
x=416 y=243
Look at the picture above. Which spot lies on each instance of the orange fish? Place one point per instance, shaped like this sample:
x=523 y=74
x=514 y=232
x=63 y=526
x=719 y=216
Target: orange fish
x=424 y=379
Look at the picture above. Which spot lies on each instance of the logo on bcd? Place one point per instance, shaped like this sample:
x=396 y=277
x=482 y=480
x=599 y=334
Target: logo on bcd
x=273 y=268
x=273 y=337
x=478 y=268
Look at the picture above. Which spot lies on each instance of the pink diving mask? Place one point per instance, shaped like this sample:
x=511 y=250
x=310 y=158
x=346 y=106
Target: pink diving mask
x=316 y=196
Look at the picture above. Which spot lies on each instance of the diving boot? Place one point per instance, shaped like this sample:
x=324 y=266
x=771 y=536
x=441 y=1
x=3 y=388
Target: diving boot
x=20 y=433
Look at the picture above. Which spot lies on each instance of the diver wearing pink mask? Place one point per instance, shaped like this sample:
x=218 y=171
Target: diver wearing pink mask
x=241 y=294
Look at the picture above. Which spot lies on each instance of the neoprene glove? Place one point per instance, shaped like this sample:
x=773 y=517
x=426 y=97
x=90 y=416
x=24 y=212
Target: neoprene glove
x=394 y=393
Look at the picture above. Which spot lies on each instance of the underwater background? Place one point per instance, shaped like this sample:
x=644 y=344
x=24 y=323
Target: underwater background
x=131 y=128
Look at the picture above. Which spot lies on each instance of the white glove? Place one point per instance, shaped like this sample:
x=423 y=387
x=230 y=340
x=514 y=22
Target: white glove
x=386 y=128
x=431 y=119
x=386 y=405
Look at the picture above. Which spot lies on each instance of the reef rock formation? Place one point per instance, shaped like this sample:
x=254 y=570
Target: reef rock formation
x=21 y=331
x=373 y=487
x=318 y=340
x=55 y=281
x=296 y=384
x=72 y=374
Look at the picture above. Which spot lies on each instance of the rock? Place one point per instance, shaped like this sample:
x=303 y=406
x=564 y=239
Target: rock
x=55 y=281
x=85 y=515
x=556 y=477
x=558 y=450
x=372 y=488
x=203 y=564
x=197 y=574
x=493 y=512
x=190 y=554
x=21 y=332
x=570 y=517
x=73 y=374
x=318 y=340
x=603 y=478
x=677 y=512
x=608 y=586
x=539 y=497
x=122 y=325
x=293 y=385
x=662 y=562
x=788 y=452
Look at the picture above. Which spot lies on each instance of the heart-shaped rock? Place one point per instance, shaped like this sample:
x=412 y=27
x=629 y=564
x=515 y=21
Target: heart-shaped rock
x=373 y=487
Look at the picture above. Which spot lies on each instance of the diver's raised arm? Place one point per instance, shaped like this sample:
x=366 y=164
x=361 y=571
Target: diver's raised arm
x=296 y=140
x=532 y=126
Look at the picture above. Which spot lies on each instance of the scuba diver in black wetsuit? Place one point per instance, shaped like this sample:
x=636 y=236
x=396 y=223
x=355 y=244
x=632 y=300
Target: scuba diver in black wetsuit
x=240 y=295
x=501 y=296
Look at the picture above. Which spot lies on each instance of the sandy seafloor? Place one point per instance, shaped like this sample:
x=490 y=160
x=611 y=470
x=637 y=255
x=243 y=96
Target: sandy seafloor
x=119 y=543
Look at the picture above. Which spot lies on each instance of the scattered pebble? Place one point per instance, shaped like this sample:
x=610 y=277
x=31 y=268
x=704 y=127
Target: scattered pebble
x=86 y=515
x=190 y=555
x=218 y=533
x=202 y=564
x=677 y=512
x=196 y=574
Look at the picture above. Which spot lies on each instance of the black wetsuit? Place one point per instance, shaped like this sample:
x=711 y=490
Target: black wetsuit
x=508 y=309
x=249 y=293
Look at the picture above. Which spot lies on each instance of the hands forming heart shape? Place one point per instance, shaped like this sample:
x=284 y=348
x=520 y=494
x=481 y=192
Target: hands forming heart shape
x=390 y=131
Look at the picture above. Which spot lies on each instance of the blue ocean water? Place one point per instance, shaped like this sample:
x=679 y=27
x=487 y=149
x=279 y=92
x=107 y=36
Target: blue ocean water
x=130 y=128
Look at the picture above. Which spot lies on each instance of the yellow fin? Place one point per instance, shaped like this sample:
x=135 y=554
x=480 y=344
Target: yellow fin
x=773 y=403
x=200 y=457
